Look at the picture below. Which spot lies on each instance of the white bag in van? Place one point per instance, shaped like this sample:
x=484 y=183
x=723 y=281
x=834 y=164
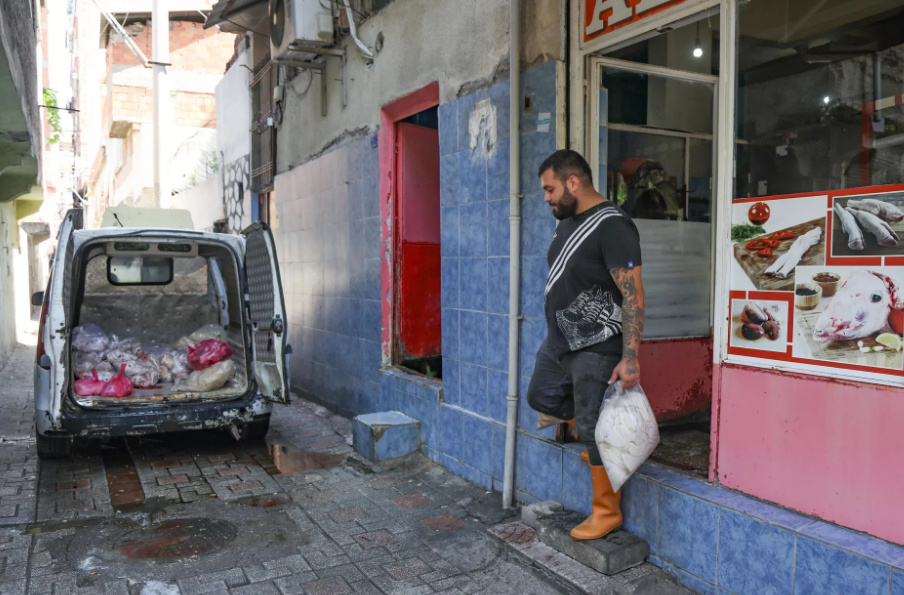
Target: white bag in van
x=208 y=379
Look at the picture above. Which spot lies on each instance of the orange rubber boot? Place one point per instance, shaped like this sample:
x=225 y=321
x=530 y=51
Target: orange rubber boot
x=606 y=515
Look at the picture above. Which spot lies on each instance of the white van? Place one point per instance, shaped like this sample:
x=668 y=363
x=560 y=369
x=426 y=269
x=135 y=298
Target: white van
x=155 y=287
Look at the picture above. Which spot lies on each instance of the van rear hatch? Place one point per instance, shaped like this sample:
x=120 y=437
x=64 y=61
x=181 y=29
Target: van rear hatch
x=165 y=312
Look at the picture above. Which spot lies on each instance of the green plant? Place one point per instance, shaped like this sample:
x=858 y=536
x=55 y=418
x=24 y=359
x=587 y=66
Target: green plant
x=430 y=373
x=214 y=164
x=53 y=116
x=191 y=179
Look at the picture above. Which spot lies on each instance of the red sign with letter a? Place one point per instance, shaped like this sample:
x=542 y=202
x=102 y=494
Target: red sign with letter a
x=605 y=16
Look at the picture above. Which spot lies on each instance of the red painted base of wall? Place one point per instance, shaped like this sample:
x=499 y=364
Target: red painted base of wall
x=824 y=447
x=676 y=376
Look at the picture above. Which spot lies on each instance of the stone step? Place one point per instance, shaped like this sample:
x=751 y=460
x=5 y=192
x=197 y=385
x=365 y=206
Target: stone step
x=519 y=541
x=612 y=554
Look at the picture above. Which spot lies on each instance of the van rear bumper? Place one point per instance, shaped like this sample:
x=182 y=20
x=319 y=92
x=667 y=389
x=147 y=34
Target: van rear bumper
x=176 y=418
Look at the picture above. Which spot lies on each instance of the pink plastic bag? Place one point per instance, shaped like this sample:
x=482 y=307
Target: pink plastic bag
x=207 y=353
x=91 y=386
x=118 y=386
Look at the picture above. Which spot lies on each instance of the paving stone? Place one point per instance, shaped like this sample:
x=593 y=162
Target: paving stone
x=412 y=501
x=348 y=514
x=408 y=568
x=375 y=539
x=334 y=585
x=442 y=523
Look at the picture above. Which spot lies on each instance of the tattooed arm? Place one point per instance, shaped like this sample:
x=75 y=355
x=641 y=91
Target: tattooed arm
x=631 y=287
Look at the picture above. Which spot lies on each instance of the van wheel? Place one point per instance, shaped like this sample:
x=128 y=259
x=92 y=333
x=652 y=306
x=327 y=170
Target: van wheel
x=256 y=430
x=53 y=447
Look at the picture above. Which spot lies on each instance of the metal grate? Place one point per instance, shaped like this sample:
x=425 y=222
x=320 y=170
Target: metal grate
x=261 y=294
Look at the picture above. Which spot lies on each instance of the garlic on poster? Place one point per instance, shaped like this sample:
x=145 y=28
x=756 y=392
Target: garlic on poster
x=859 y=343
x=878 y=348
x=864 y=349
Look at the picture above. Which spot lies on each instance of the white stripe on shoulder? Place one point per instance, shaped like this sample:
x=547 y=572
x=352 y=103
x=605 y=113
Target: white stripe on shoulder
x=573 y=248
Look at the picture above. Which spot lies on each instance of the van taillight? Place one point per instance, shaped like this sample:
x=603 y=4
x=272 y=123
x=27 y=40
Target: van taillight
x=41 y=351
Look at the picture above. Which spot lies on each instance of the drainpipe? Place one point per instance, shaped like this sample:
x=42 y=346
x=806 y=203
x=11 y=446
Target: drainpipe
x=511 y=424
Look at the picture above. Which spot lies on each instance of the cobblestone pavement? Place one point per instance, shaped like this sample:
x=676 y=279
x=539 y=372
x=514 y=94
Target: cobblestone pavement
x=201 y=513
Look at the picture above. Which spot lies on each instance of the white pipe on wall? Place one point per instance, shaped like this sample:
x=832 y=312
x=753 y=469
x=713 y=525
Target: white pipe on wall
x=511 y=424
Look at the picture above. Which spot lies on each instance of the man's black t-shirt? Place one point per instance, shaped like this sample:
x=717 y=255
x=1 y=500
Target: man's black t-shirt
x=583 y=303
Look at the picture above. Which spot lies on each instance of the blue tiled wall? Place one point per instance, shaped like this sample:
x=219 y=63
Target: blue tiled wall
x=475 y=295
x=718 y=541
x=328 y=241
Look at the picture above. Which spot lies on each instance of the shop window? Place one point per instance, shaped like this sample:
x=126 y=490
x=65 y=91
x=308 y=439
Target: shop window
x=418 y=324
x=819 y=96
x=656 y=161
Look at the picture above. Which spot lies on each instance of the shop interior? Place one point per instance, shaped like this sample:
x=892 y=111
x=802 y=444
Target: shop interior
x=819 y=107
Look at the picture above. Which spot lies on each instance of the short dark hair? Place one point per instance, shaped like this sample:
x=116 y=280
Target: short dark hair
x=566 y=163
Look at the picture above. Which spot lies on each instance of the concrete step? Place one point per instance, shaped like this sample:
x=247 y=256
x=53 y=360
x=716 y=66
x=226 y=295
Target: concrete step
x=519 y=541
x=612 y=554
x=383 y=436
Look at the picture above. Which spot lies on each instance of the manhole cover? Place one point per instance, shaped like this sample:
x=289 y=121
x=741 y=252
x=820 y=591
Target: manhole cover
x=176 y=540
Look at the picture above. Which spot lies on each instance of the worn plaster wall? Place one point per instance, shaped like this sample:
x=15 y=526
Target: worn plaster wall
x=462 y=44
x=8 y=247
x=234 y=139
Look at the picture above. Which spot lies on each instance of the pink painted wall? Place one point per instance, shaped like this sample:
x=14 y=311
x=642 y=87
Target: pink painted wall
x=824 y=447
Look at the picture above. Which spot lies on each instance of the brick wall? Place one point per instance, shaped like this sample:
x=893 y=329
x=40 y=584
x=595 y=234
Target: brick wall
x=192 y=47
x=135 y=104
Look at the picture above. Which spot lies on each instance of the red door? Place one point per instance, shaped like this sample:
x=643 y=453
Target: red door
x=419 y=317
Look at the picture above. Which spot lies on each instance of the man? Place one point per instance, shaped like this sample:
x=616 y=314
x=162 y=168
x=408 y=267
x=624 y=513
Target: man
x=594 y=317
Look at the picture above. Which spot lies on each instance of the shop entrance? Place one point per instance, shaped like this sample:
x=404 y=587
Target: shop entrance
x=654 y=109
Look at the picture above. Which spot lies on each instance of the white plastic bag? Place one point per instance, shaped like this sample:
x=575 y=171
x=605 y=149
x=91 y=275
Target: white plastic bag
x=208 y=379
x=208 y=331
x=626 y=432
x=90 y=337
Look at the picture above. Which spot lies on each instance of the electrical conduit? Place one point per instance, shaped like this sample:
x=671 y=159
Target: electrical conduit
x=511 y=424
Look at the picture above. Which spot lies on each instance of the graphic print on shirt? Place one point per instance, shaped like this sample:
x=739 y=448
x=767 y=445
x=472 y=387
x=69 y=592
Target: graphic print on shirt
x=592 y=318
x=574 y=242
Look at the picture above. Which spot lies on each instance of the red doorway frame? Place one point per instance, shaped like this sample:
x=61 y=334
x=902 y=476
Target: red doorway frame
x=416 y=101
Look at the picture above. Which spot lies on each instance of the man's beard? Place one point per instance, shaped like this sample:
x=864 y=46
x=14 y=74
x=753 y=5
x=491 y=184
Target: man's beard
x=566 y=206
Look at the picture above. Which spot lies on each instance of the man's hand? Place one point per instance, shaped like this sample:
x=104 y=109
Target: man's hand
x=628 y=371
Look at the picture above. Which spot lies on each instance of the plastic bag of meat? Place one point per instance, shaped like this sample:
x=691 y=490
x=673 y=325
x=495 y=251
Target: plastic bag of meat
x=91 y=386
x=143 y=372
x=184 y=342
x=211 y=378
x=208 y=331
x=118 y=386
x=84 y=364
x=626 y=432
x=207 y=353
x=90 y=338
x=118 y=357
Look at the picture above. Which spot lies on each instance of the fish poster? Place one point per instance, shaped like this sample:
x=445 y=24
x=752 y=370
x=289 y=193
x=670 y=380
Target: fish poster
x=817 y=282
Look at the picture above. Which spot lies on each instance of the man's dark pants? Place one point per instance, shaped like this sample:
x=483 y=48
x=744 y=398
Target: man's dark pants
x=572 y=386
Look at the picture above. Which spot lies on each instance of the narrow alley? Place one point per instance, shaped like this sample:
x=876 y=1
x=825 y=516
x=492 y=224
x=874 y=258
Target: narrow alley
x=200 y=513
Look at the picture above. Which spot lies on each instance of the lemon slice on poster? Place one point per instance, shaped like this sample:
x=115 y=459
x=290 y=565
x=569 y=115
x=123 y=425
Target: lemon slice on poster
x=890 y=340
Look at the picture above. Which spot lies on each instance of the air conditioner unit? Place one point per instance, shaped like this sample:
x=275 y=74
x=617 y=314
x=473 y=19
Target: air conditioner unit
x=298 y=28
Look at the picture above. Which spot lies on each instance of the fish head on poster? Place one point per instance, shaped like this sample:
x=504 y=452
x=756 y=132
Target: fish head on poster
x=860 y=308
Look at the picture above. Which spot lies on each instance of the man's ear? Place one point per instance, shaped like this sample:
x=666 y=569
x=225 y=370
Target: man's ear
x=573 y=183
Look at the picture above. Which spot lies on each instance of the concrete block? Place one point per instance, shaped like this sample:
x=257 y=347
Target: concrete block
x=386 y=435
x=531 y=513
x=612 y=554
